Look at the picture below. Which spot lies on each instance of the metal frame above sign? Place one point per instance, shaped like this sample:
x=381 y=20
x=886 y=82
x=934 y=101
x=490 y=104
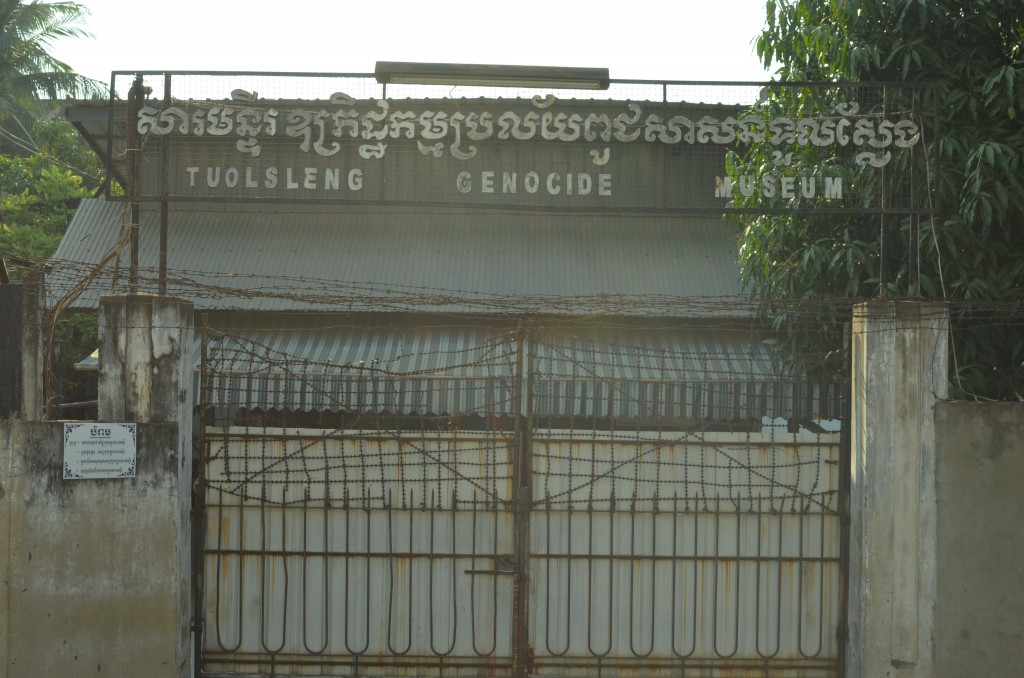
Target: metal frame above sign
x=640 y=146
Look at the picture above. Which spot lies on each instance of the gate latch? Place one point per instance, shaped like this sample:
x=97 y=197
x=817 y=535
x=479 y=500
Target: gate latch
x=504 y=564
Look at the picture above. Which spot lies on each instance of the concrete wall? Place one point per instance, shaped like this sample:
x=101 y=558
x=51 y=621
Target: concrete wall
x=90 y=573
x=95 y=575
x=979 y=629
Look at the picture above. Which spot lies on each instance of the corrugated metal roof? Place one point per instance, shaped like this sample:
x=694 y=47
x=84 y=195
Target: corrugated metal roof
x=405 y=260
x=714 y=375
x=703 y=375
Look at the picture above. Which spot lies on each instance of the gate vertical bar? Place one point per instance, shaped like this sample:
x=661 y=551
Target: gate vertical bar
x=522 y=504
x=199 y=510
x=133 y=147
x=843 y=504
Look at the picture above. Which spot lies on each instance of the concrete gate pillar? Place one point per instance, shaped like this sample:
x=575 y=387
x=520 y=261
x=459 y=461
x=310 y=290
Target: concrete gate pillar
x=899 y=372
x=145 y=359
x=145 y=376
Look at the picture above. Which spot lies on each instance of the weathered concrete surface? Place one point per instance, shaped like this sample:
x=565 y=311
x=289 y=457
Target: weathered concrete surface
x=90 y=573
x=96 y=573
x=899 y=373
x=145 y=359
x=979 y=629
x=32 y=394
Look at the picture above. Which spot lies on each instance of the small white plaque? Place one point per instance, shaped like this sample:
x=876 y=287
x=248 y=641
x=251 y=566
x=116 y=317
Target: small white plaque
x=99 y=451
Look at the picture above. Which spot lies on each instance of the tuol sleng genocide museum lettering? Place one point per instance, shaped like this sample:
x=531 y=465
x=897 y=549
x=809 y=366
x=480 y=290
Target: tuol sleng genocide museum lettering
x=539 y=152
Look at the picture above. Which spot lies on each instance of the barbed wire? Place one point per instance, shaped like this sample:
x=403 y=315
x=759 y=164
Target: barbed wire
x=293 y=297
x=239 y=291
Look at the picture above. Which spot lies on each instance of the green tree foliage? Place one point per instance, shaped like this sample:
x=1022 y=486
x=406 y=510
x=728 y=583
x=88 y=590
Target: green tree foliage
x=28 y=74
x=56 y=139
x=973 y=254
x=37 y=203
x=45 y=167
x=39 y=193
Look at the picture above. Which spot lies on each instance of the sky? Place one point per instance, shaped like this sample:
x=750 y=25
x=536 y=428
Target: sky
x=661 y=40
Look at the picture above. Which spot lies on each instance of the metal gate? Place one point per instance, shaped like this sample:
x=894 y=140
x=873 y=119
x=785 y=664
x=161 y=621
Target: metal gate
x=532 y=536
x=712 y=556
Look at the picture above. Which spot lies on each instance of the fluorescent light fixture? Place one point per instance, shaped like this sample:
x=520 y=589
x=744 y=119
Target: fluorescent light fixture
x=412 y=73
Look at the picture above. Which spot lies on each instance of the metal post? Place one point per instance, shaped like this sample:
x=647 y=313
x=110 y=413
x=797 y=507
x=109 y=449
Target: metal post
x=936 y=167
x=883 y=272
x=132 y=147
x=108 y=163
x=164 y=189
x=914 y=283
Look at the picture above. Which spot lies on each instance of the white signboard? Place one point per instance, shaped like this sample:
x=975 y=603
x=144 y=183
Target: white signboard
x=99 y=450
